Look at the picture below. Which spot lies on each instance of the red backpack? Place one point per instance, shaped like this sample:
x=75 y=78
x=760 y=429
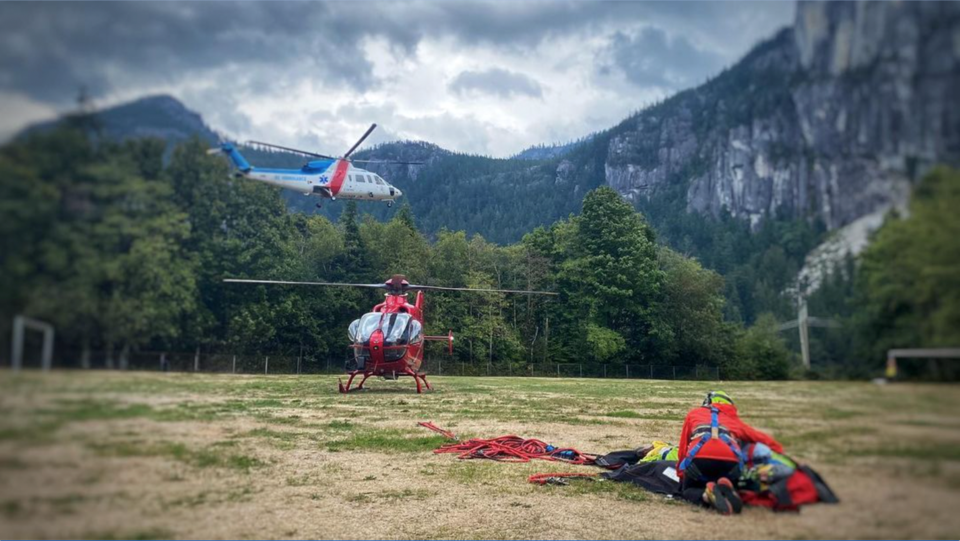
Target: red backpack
x=803 y=487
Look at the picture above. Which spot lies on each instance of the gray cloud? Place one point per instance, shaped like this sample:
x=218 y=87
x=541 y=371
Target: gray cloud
x=218 y=56
x=47 y=49
x=496 y=82
x=653 y=58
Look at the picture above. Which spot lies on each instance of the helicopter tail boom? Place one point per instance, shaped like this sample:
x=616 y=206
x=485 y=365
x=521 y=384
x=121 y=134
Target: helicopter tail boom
x=238 y=160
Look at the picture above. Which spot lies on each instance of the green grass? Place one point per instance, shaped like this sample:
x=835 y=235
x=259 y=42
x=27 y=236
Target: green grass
x=11 y=508
x=133 y=535
x=601 y=488
x=387 y=441
x=33 y=434
x=279 y=439
x=12 y=463
x=478 y=472
x=914 y=451
x=302 y=481
x=223 y=442
x=337 y=424
x=405 y=495
x=624 y=414
x=210 y=457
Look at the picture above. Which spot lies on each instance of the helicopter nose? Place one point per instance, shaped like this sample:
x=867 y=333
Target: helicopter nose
x=398 y=192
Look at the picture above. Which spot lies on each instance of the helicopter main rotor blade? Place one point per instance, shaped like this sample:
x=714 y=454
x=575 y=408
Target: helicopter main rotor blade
x=477 y=290
x=355 y=145
x=288 y=149
x=288 y=283
x=395 y=162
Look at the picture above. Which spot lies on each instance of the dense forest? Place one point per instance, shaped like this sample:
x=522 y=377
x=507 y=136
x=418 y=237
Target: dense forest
x=125 y=248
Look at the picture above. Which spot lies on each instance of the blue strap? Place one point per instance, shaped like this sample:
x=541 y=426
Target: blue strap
x=693 y=452
x=733 y=447
x=714 y=425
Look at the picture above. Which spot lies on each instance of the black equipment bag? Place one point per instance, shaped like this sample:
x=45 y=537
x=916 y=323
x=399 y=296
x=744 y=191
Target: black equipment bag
x=659 y=477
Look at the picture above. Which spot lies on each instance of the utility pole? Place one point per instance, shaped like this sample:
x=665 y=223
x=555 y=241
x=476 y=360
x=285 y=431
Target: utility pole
x=803 y=324
x=804 y=328
x=491 y=344
x=546 y=339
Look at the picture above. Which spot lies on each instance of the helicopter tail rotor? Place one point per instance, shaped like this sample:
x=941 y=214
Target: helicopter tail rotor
x=230 y=150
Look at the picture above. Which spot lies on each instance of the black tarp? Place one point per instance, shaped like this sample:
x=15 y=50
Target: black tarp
x=659 y=477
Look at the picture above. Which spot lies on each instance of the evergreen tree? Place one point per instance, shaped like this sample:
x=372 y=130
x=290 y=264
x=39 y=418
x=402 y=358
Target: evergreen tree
x=908 y=288
x=354 y=264
x=612 y=279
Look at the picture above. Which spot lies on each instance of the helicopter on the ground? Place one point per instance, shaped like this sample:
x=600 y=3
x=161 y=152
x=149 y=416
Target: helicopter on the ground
x=325 y=176
x=388 y=341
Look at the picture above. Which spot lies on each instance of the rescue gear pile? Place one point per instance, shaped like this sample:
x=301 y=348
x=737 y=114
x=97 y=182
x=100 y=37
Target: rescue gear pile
x=721 y=422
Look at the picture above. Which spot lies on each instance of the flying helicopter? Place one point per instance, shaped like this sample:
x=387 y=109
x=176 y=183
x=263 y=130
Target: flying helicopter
x=325 y=176
x=388 y=341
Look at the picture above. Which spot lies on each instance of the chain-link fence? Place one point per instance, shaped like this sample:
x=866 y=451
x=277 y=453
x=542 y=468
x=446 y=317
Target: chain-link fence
x=306 y=363
x=443 y=367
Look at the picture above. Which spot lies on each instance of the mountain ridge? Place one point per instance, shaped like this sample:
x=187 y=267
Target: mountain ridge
x=160 y=115
x=828 y=120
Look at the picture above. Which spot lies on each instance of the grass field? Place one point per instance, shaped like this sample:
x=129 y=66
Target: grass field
x=140 y=455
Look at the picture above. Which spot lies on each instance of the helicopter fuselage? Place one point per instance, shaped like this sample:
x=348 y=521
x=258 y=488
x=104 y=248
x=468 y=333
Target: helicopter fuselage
x=388 y=341
x=332 y=179
x=387 y=349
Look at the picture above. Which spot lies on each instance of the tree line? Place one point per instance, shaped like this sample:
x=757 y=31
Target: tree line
x=124 y=247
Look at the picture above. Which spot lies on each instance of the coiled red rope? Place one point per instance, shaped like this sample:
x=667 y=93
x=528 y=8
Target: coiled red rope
x=515 y=449
x=445 y=433
x=558 y=478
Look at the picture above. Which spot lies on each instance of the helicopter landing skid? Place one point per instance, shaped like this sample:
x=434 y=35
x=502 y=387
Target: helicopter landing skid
x=417 y=376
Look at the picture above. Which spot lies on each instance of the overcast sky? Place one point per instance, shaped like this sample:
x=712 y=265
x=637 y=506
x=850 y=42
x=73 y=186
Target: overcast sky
x=490 y=77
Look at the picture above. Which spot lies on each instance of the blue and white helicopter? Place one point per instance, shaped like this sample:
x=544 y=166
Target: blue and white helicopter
x=325 y=176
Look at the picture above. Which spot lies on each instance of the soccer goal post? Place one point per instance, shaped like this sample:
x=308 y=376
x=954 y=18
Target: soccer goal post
x=20 y=326
x=920 y=353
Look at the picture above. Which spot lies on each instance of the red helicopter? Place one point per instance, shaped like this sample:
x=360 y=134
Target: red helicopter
x=388 y=341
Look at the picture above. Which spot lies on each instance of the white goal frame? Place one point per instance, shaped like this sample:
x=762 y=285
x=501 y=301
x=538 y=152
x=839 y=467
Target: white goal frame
x=21 y=324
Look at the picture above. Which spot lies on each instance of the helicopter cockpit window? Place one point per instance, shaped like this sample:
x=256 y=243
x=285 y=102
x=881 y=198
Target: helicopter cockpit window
x=415 y=332
x=397 y=329
x=394 y=327
x=368 y=323
x=352 y=330
x=379 y=180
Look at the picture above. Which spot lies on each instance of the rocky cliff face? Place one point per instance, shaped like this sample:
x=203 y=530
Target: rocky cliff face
x=830 y=119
